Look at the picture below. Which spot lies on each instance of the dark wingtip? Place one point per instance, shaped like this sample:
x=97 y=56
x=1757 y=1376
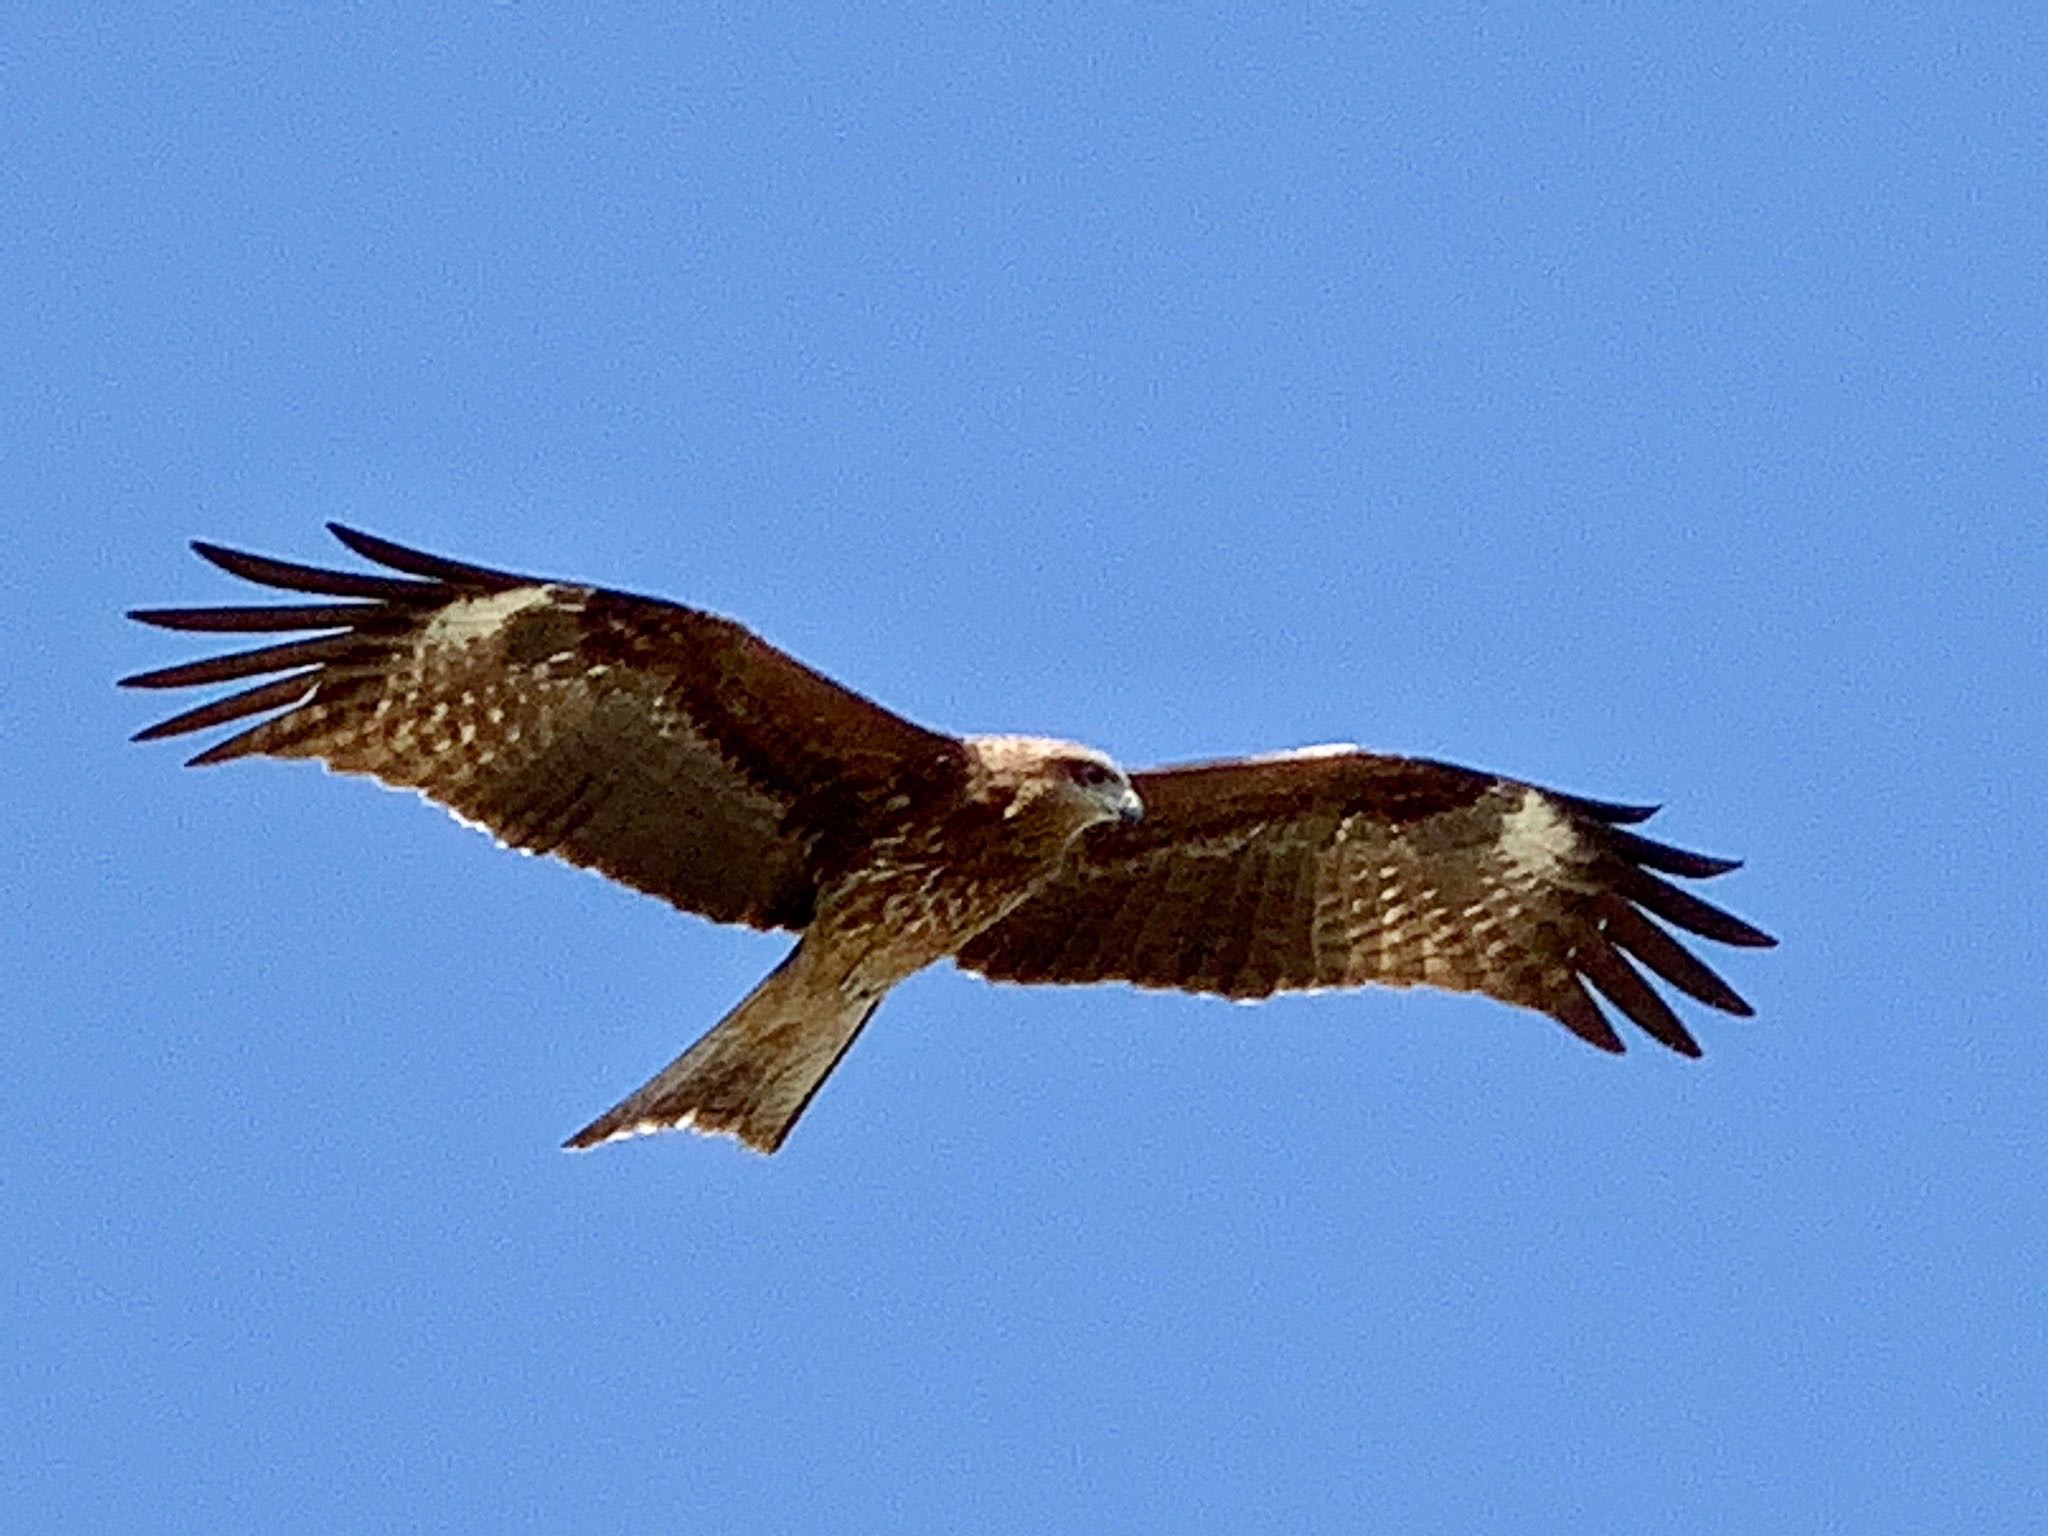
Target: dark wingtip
x=1682 y=909
x=175 y=726
x=285 y=693
x=1644 y=940
x=415 y=562
x=362 y=542
x=1610 y=811
x=204 y=759
x=1577 y=1012
x=1673 y=861
x=211 y=756
x=216 y=554
x=1742 y=935
x=155 y=677
x=1632 y=995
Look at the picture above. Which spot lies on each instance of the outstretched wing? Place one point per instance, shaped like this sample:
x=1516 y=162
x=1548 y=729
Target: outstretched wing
x=667 y=748
x=1341 y=868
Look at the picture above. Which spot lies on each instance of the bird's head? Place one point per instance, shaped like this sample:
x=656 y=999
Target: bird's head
x=1077 y=786
x=1095 y=782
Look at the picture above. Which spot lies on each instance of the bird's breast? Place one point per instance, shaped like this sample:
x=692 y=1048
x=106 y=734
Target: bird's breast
x=921 y=905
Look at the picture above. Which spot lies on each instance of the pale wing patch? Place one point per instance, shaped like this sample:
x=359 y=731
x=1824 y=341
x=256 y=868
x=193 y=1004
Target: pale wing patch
x=1537 y=841
x=476 y=618
x=1297 y=754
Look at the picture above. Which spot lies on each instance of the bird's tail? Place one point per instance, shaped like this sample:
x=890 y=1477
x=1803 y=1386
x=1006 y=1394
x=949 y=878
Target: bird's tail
x=755 y=1072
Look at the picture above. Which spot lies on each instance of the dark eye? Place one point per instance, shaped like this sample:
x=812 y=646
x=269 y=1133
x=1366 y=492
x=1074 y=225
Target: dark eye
x=1088 y=775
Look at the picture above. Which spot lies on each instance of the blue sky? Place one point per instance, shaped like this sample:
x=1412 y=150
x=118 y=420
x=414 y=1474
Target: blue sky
x=1647 y=403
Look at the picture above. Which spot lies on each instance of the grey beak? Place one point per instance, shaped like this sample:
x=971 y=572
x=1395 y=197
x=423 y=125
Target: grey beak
x=1132 y=809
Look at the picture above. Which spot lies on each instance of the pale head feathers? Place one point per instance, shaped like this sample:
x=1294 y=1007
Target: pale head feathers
x=1035 y=775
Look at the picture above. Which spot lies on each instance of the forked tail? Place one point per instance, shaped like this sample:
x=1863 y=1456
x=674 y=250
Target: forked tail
x=755 y=1072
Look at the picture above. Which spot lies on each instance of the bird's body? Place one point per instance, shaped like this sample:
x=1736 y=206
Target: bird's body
x=680 y=754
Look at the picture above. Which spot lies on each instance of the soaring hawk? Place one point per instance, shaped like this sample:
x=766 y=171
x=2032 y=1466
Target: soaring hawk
x=677 y=752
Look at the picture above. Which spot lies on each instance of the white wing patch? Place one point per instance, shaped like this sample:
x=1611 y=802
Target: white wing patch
x=475 y=618
x=1296 y=754
x=1536 y=840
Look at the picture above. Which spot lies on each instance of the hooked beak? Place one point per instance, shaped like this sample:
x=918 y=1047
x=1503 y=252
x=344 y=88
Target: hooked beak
x=1130 y=808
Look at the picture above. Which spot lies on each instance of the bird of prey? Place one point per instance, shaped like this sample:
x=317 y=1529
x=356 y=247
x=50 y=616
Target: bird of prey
x=680 y=754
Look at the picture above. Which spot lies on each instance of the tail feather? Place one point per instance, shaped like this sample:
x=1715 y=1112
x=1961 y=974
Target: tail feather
x=754 y=1073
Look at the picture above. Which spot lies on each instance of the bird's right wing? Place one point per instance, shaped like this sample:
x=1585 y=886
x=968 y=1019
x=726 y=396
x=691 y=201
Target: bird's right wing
x=665 y=747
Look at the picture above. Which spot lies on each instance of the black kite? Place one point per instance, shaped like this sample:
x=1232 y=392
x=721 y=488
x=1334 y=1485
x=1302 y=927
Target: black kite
x=674 y=751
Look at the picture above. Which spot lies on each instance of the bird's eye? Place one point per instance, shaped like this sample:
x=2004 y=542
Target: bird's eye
x=1088 y=775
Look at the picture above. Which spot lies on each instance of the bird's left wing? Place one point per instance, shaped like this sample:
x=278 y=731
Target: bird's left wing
x=1339 y=868
x=665 y=747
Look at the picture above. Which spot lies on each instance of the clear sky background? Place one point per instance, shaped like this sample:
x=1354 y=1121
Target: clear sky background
x=1648 y=406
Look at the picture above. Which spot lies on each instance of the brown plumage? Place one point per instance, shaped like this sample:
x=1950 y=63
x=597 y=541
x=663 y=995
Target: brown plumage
x=678 y=753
